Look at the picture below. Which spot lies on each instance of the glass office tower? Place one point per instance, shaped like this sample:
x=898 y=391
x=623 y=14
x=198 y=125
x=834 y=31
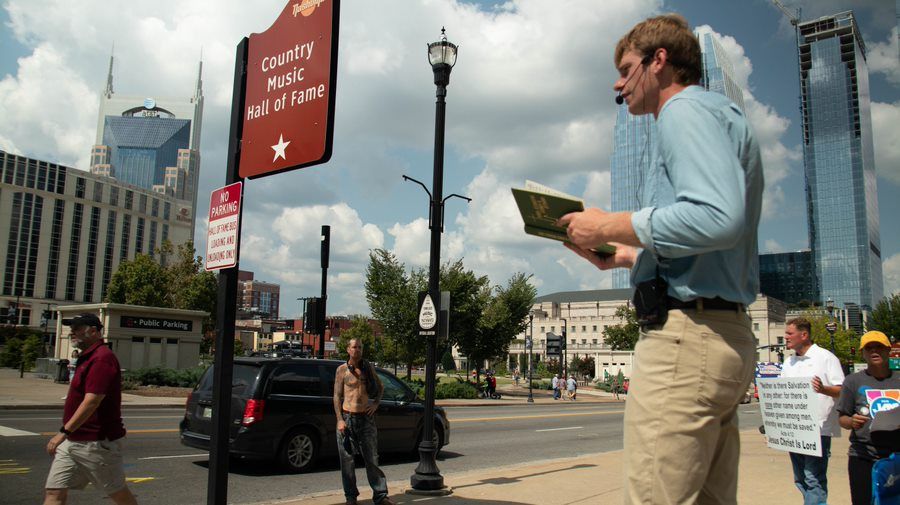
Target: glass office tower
x=838 y=159
x=141 y=148
x=635 y=136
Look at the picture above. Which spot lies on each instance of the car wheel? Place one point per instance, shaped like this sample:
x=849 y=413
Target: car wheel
x=299 y=450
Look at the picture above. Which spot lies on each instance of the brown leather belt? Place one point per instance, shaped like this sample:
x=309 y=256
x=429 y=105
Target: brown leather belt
x=347 y=412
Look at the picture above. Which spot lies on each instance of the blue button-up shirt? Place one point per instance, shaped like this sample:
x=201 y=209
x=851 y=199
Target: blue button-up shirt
x=704 y=195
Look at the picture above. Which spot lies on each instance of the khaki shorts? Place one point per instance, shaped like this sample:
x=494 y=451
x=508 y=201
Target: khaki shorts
x=97 y=462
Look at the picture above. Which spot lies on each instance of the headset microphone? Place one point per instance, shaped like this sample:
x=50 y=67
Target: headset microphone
x=644 y=61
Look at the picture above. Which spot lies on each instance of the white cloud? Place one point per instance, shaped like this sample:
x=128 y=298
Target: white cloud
x=772 y=246
x=891 y=271
x=884 y=58
x=769 y=127
x=885 y=118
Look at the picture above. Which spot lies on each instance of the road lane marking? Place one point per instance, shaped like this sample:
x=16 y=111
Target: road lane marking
x=6 y=431
x=139 y=480
x=10 y=467
x=561 y=429
x=178 y=456
x=534 y=416
x=161 y=430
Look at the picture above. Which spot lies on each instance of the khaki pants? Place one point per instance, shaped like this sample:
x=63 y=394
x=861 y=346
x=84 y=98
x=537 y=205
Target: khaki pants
x=77 y=463
x=681 y=433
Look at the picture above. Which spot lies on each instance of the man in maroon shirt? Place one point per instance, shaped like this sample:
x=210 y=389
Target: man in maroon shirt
x=88 y=447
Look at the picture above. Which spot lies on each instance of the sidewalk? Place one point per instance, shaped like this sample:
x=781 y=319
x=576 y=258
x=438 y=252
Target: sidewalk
x=765 y=478
x=765 y=474
x=33 y=392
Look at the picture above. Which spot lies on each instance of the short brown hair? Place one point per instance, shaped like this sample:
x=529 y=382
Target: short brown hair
x=669 y=31
x=802 y=324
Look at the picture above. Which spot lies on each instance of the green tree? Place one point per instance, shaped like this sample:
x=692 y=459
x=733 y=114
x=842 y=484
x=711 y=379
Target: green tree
x=359 y=329
x=623 y=337
x=392 y=295
x=447 y=361
x=141 y=281
x=31 y=349
x=238 y=347
x=584 y=367
x=12 y=353
x=886 y=317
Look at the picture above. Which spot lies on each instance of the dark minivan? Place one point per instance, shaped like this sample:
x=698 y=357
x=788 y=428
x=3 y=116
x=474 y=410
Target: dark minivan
x=281 y=409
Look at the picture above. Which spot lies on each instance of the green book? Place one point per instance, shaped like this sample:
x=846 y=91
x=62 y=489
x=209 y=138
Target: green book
x=542 y=206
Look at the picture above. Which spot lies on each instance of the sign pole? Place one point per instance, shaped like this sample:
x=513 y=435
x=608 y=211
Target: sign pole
x=324 y=253
x=226 y=307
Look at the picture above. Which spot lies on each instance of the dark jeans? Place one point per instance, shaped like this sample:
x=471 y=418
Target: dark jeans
x=810 y=474
x=860 y=471
x=364 y=434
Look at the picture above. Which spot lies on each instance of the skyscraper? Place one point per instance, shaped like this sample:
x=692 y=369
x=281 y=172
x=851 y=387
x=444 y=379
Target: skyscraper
x=635 y=136
x=151 y=143
x=838 y=160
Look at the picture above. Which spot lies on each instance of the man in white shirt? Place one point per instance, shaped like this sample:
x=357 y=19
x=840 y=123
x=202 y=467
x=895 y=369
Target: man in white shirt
x=555 y=384
x=827 y=376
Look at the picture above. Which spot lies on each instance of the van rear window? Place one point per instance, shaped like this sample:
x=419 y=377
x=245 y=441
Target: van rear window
x=243 y=380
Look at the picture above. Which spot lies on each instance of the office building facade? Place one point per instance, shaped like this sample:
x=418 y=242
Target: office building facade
x=838 y=159
x=151 y=143
x=635 y=136
x=789 y=277
x=66 y=231
x=257 y=299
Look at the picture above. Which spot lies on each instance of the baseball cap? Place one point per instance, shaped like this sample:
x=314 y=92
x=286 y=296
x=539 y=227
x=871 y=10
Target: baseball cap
x=85 y=319
x=874 y=336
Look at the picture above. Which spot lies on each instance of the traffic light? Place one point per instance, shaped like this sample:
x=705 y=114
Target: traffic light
x=553 y=344
x=311 y=319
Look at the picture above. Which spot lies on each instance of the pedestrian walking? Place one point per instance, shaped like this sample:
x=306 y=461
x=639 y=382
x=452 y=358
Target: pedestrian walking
x=692 y=250
x=855 y=413
x=810 y=472
x=571 y=387
x=555 y=384
x=357 y=394
x=88 y=447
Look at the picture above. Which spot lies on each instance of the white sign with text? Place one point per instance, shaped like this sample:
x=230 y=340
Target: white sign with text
x=788 y=406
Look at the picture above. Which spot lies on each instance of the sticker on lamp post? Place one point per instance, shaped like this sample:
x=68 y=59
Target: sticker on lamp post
x=427 y=316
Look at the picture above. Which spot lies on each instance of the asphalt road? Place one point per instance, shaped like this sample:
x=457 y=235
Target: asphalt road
x=161 y=470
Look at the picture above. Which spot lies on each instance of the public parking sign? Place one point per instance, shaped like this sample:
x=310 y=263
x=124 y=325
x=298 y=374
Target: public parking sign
x=288 y=116
x=222 y=234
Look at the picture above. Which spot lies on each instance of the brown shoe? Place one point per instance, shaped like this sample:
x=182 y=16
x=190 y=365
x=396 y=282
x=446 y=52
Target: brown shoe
x=387 y=501
x=352 y=501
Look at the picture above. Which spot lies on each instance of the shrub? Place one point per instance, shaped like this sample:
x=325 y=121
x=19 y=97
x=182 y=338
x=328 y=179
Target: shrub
x=455 y=390
x=160 y=376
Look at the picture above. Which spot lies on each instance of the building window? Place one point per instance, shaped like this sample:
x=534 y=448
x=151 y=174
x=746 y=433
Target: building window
x=167 y=210
x=139 y=237
x=583 y=329
x=55 y=242
x=98 y=191
x=108 y=251
x=79 y=187
x=595 y=328
x=114 y=196
x=129 y=199
x=594 y=341
x=74 y=243
x=543 y=330
x=24 y=238
x=91 y=263
x=755 y=326
x=142 y=204
x=151 y=249
x=780 y=340
x=154 y=208
x=553 y=329
x=126 y=237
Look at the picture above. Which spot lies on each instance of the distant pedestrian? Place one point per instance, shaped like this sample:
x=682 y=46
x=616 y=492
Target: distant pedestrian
x=810 y=472
x=516 y=377
x=555 y=384
x=853 y=407
x=357 y=394
x=571 y=387
x=88 y=447
x=615 y=387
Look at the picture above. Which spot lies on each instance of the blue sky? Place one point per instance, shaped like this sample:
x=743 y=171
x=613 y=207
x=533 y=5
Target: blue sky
x=530 y=97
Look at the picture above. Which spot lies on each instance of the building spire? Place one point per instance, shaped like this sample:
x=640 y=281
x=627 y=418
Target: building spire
x=109 y=78
x=198 y=93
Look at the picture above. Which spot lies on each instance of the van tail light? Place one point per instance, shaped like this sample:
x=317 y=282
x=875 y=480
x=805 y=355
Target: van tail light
x=253 y=412
x=187 y=403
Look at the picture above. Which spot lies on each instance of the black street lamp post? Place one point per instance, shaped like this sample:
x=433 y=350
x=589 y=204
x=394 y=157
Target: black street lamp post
x=529 y=344
x=831 y=326
x=442 y=56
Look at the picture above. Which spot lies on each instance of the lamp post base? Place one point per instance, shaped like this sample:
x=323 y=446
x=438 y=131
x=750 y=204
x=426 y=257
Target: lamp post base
x=427 y=477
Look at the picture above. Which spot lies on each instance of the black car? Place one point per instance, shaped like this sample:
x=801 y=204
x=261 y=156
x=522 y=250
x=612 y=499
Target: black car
x=281 y=409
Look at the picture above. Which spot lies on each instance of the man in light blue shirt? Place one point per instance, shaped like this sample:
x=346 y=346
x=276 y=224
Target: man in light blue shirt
x=693 y=255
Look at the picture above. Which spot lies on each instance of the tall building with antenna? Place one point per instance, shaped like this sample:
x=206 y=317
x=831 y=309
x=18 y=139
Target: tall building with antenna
x=635 y=136
x=152 y=143
x=838 y=161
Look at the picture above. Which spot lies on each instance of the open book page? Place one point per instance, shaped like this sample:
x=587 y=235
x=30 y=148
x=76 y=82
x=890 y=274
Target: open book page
x=537 y=187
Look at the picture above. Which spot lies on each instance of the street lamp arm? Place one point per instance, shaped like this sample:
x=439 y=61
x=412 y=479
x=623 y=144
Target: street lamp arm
x=408 y=178
x=466 y=198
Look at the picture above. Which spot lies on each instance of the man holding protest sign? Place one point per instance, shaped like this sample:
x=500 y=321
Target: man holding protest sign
x=827 y=376
x=866 y=394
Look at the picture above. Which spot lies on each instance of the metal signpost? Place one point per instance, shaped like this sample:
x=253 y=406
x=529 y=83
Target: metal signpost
x=282 y=118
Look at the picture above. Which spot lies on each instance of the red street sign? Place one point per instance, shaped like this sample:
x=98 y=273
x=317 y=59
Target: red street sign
x=222 y=234
x=288 y=116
